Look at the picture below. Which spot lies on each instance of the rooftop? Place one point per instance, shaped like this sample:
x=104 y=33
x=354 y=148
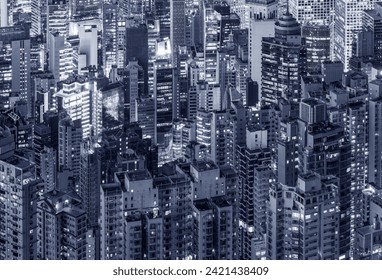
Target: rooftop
x=203 y=205
x=204 y=165
x=138 y=175
x=220 y=201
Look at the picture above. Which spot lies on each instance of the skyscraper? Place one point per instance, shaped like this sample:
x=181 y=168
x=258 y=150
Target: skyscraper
x=137 y=47
x=282 y=61
x=313 y=204
x=178 y=27
x=313 y=11
x=15 y=77
x=348 y=21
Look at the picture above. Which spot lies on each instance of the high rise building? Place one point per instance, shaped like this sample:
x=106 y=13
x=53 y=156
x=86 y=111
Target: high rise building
x=177 y=27
x=61 y=227
x=4 y=13
x=314 y=203
x=313 y=11
x=69 y=149
x=60 y=57
x=39 y=17
x=347 y=23
x=162 y=13
x=256 y=31
x=137 y=47
x=165 y=85
x=88 y=47
x=372 y=21
x=324 y=149
x=109 y=36
x=18 y=196
x=211 y=42
x=133 y=87
x=375 y=164
x=15 y=77
x=253 y=160
x=81 y=101
x=282 y=61
x=57 y=18
x=317 y=43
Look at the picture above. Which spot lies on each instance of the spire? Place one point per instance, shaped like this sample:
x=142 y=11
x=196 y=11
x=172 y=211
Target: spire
x=287 y=7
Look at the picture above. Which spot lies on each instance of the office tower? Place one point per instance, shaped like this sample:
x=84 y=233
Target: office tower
x=165 y=81
x=257 y=30
x=268 y=117
x=153 y=35
x=311 y=11
x=109 y=36
x=162 y=13
x=287 y=153
x=241 y=64
x=317 y=43
x=146 y=117
x=78 y=7
x=211 y=43
x=314 y=203
x=90 y=181
x=184 y=132
x=347 y=23
x=221 y=131
x=252 y=92
x=371 y=24
x=4 y=14
x=80 y=99
x=184 y=54
x=121 y=43
x=228 y=25
x=218 y=25
x=60 y=57
x=61 y=227
x=133 y=87
x=137 y=47
x=88 y=47
x=112 y=105
x=282 y=62
x=44 y=86
x=226 y=68
x=208 y=96
x=203 y=130
x=37 y=54
x=18 y=196
x=177 y=27
x=375 y=164
x=357 y=126
x=57 y=18
x=15 y=77
x=39 y=17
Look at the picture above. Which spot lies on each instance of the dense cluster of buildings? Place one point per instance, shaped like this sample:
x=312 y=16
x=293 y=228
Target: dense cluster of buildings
x=190 y=129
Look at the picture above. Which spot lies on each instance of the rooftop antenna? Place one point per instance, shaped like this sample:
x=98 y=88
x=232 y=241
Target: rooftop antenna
x=287 y=8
